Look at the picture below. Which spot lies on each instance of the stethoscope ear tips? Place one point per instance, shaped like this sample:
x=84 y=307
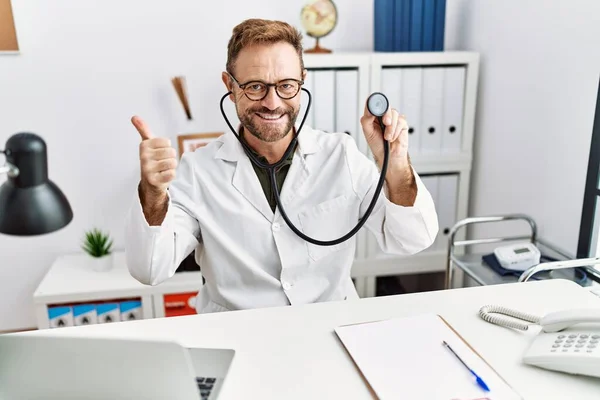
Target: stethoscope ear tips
x=377 y=104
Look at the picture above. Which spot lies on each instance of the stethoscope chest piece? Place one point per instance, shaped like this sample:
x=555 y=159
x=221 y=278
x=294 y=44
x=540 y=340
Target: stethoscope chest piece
x=377 y=104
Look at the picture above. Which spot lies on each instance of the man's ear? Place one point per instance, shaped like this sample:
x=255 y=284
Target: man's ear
x=304 y=74
x=228 y=85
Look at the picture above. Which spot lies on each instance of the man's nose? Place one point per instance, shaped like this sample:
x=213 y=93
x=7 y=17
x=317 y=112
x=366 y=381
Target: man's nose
x=271 y=100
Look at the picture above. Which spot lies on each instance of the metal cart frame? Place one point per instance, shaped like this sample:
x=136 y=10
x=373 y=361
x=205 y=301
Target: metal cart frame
x=474 y=267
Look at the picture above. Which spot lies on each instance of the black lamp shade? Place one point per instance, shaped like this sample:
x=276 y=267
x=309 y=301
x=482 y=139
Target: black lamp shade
x=31 y=204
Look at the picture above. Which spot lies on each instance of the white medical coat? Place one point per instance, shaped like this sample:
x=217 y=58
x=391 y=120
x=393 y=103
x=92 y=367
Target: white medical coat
x=248 y=255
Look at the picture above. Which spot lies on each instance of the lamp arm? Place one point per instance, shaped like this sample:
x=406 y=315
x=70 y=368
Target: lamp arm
x=8 y=168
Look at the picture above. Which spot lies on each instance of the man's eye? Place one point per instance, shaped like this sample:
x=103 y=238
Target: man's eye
x=256 y=87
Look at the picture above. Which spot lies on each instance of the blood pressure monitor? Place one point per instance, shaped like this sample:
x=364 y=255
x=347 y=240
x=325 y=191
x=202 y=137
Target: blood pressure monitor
x=518 y=257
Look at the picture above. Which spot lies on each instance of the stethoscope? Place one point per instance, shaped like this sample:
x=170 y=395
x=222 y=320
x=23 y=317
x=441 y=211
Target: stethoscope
x=377 y=105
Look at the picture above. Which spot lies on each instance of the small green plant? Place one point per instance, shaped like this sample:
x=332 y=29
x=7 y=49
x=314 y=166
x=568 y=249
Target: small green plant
x=97 y=243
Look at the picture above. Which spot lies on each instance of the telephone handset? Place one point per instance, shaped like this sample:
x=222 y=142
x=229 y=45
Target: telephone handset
x=559 y=346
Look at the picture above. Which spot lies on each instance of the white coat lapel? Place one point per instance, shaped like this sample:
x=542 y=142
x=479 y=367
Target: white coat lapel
x=299 y=171
x=247 y=183
x=244 y=178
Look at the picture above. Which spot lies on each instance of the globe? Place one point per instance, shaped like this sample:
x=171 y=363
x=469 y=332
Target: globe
x=318 y=17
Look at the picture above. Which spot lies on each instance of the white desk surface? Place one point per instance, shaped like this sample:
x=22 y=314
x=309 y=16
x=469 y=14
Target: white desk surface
x=293 y=352
x=70 y=275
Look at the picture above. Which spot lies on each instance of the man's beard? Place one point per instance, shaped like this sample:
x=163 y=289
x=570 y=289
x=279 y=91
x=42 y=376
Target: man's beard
x=268 y=132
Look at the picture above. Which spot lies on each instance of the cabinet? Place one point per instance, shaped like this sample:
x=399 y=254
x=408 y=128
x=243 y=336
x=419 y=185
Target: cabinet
x=436 y=91
x=71 y=293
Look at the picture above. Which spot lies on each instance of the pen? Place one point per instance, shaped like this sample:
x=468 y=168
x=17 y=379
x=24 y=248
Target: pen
x=480 y=381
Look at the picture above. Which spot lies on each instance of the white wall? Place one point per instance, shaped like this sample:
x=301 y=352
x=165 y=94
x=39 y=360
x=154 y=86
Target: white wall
x=540 y=65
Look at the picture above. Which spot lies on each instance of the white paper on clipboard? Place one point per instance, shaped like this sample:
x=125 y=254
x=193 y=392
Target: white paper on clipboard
x=405 y=358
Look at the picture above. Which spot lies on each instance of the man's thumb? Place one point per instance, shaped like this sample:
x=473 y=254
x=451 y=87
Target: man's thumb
x=141 y=127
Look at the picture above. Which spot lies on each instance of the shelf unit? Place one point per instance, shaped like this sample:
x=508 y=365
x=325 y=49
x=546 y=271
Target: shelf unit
x=71 y=281
x=444 y=85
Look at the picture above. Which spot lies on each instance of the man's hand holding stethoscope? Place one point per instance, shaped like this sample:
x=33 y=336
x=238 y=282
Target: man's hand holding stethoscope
x=396 y=133
x=383 y=126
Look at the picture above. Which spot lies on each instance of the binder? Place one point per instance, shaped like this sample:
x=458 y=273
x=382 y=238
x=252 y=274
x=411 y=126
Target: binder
x=446 y=207
x=402 y=25
x=324 y=100
x=391 y=86
x=404 y=358
x=85 y=314
x=346 y=104
x=433 y=101
x=383 y=34
x=440 y=25
x=416 y=25
x=428 y=25
x=178 y=304
x=412 y=81
x=108 y=312
x=454 y=87
x=131 y=310
x=60 y=316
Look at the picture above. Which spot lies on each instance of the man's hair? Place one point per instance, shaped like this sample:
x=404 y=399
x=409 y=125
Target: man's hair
x=262 y=31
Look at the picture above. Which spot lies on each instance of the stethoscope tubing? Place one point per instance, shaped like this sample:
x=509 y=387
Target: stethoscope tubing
x=271 y=168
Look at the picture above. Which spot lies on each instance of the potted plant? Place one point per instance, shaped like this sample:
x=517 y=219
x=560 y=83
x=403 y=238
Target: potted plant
x=99 y=246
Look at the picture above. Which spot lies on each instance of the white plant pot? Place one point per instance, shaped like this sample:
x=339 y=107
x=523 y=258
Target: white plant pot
x=101 y=264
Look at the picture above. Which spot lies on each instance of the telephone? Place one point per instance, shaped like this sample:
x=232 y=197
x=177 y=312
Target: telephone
x=559 y=346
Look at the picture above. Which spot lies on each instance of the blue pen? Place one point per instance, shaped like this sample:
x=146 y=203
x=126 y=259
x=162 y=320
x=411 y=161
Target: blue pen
x=480 y=381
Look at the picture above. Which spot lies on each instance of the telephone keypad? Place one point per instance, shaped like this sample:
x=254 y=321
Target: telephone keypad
x=575 y=343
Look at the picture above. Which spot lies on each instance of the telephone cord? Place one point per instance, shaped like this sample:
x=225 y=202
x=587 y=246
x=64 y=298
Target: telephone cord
x=487 y=313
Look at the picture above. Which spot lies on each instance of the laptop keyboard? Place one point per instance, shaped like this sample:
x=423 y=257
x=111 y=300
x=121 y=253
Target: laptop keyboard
x=205 y=385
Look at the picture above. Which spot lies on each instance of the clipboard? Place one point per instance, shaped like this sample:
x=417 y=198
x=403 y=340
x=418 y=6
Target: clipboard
x=405 y=358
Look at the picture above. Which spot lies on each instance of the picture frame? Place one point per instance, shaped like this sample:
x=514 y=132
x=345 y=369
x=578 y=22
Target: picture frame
x=9 y=43
x=192 y=141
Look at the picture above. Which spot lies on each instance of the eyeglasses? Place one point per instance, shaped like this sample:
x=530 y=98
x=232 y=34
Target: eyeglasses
x=257 y=90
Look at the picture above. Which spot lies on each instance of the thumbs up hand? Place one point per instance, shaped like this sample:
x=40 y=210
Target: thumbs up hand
x=158 y=161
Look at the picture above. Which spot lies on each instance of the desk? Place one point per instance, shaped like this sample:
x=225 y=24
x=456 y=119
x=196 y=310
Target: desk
x=293 y=353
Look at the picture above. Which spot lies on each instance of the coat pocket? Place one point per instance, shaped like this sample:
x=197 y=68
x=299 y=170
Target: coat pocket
x=329 y=220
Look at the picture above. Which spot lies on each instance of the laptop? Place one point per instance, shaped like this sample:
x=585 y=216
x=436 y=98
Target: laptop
x=61 y=367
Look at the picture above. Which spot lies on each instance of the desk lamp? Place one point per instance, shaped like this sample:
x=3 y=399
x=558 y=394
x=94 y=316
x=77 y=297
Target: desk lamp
x=30 y=203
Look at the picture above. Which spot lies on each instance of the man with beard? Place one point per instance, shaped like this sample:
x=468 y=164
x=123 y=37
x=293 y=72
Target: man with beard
x=216 y=202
